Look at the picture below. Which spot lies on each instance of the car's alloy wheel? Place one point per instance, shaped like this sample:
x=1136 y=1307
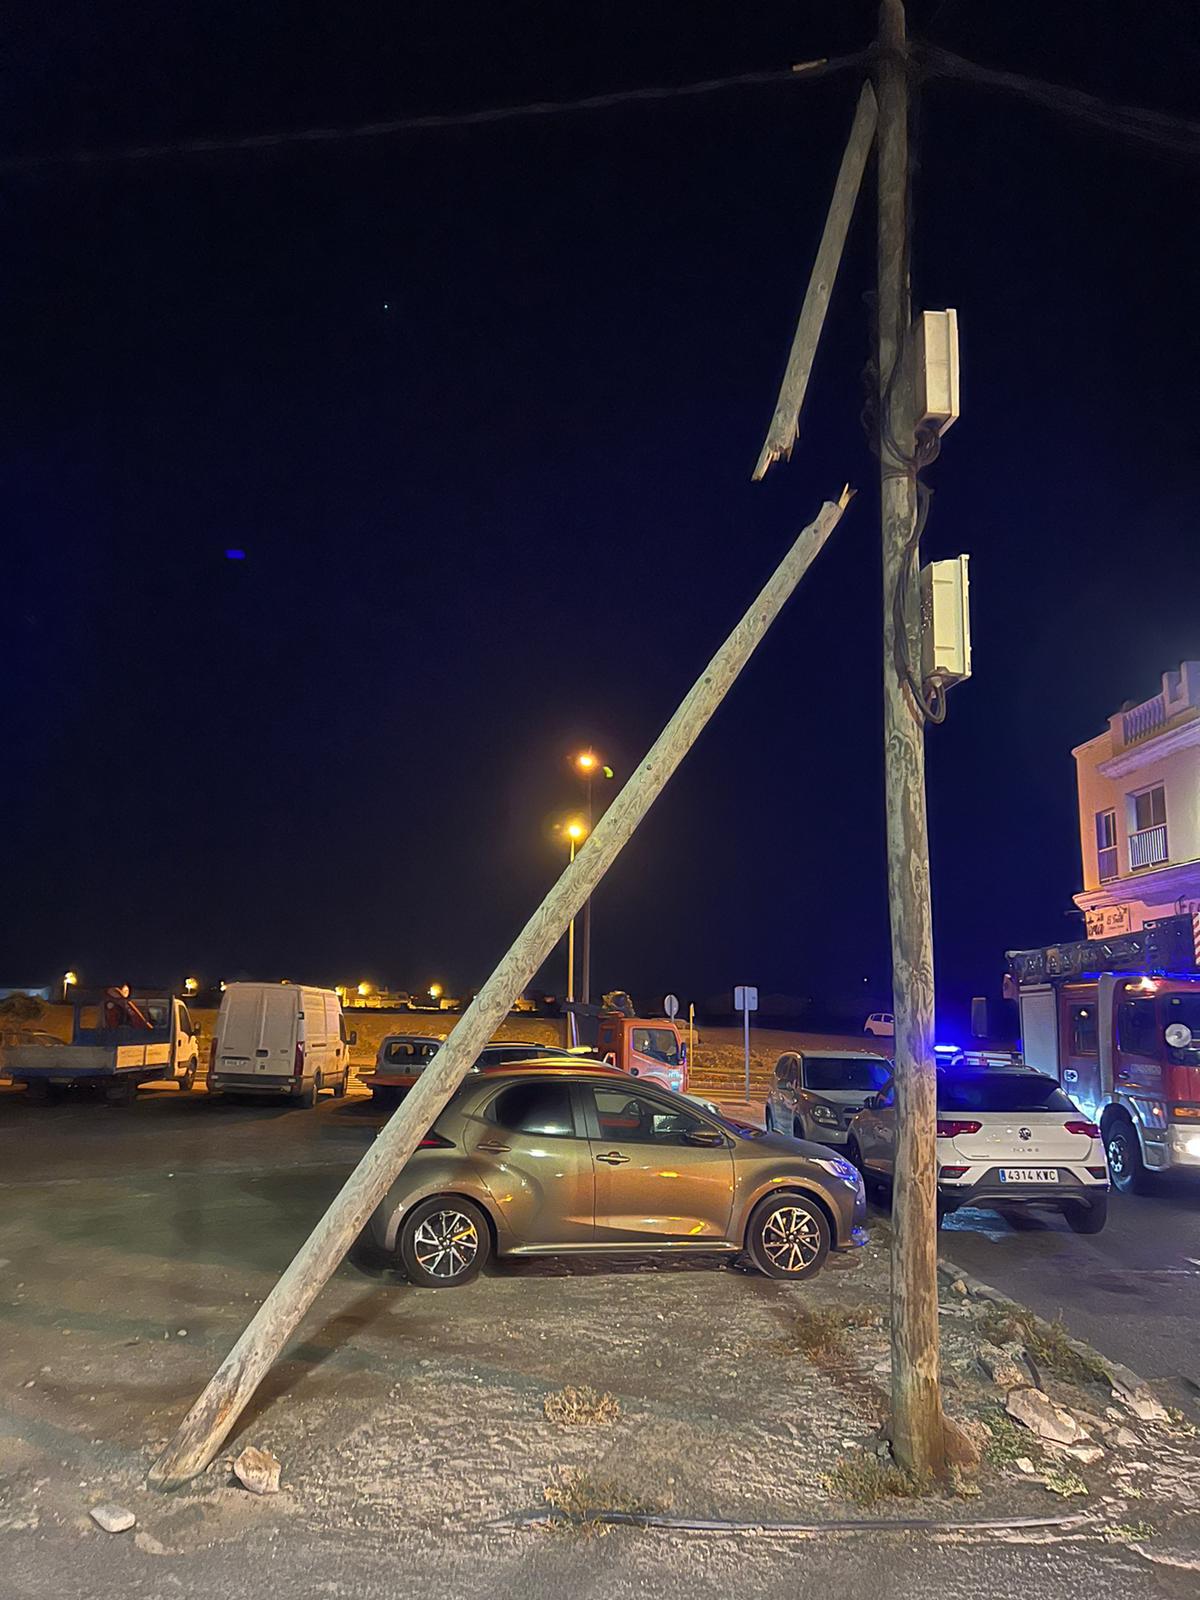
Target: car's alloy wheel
x=444 y=1243
x=788 y=1237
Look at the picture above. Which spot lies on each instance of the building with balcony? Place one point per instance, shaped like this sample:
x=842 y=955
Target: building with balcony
x=1139 y=810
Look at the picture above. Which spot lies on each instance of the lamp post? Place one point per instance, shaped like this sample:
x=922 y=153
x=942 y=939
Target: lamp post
x=589 y=765
x=191 y=985
x=70 y=979
x=576 y=832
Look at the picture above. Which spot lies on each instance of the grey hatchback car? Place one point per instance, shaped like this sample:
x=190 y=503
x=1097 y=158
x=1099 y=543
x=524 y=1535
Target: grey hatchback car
x=565 y=1158
x=816 y=1093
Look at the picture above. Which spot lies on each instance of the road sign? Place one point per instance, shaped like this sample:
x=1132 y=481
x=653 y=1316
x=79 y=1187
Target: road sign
x=745 y=1000
x=671 y=1006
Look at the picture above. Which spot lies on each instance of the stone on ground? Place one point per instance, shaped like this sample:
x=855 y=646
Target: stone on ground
x=113 y=1519
x=257 y=1470
x=1037 y=1412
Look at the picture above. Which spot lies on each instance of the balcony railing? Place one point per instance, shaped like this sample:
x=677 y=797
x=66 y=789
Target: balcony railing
x=1143 y=721
x=1148 y=846
x=1107 y=861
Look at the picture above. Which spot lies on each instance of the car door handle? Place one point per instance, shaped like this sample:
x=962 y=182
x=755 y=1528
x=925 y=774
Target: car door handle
x=494 y=1149
x=614 y=1158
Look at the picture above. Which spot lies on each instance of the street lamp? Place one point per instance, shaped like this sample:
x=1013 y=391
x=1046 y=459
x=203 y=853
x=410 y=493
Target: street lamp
x=435 y=991
x=576 y=831
x=589 y=766
x=191 y=985
x=70 y=979
x=364 y=990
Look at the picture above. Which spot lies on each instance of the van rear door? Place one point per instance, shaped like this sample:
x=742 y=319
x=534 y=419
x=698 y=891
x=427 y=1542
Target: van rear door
x=258 y=1035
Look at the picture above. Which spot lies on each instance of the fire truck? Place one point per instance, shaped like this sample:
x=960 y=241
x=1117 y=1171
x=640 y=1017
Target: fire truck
x=1117 y=1022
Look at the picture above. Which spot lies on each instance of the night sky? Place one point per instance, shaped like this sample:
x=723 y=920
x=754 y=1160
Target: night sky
x=481 y=406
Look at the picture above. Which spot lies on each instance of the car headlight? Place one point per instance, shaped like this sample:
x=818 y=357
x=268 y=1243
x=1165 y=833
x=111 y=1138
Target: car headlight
x=824 y=1114
x=837 y=1168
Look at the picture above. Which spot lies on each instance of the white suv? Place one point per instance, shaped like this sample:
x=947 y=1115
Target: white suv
x=1007 y=1136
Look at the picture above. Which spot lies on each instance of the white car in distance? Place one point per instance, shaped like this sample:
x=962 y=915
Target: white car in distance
x=1005 y=1137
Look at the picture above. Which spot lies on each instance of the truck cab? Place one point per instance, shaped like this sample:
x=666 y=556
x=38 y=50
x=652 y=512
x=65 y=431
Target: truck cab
x=1124 y=1043
x=644 y=1047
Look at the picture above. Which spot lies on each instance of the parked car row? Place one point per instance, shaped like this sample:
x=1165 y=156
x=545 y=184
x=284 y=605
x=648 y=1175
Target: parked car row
x=1006 y=1135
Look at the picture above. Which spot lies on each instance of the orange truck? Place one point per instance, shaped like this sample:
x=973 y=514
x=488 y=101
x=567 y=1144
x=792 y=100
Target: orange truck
x=644 y=1047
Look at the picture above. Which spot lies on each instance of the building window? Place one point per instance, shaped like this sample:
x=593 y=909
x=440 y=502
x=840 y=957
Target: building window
x=1148 y=831
x=1106 y=844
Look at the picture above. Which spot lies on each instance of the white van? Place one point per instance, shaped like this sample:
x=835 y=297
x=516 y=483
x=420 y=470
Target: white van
x=280 y=1039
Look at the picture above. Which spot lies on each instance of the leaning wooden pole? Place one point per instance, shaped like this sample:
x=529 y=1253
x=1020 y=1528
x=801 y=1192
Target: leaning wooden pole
x=918 y=1435
x=214 y=1414
x=785 y=424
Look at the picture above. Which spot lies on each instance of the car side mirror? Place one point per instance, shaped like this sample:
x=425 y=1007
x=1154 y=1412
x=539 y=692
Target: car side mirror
x=708 y=1137
x=352 y=1036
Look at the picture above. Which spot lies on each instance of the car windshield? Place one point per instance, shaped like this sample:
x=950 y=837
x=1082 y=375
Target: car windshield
x=863 y=1074
x=1183 y=1008
x=660 y=1043
x=1000 y=1091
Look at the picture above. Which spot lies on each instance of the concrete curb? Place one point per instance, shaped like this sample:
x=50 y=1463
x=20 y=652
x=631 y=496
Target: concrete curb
x=1123 y=1378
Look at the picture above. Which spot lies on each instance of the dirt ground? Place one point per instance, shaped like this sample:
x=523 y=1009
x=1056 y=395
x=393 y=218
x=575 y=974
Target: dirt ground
x=135 y=1242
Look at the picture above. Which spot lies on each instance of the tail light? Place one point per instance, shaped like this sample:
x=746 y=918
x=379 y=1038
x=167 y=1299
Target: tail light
x=949 y=1128
x=298 y=1064
x=1097 y=1172
x=951 y=1172
x=435 y=1141
x=1088 y=1129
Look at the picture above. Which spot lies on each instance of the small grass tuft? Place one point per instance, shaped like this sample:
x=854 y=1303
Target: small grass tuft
x=1128 y=1532
x=581 y=1499
x=866 y=1480
x=1049 y=1343
x=1007 y=1441
x=820 y=1333
x=1065 y=1483
x=581 y=1408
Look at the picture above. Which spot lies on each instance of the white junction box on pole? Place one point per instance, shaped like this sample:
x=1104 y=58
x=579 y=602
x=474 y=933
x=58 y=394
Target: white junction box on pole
x=935 y=370
x=946 y=621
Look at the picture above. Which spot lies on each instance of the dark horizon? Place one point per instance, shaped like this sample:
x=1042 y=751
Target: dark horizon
x=480 y=406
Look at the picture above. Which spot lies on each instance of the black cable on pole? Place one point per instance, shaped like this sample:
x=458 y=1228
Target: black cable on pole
x=1135 y=122
x=804 y=72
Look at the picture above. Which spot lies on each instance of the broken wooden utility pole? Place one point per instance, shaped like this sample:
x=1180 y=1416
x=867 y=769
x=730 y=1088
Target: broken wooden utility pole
x=785 y=424
x=918 y=1433
x=215 y=1413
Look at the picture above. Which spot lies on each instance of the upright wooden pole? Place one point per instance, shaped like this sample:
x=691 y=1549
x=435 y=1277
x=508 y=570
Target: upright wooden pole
x=917 y=1430
x=785 y=424
x=214 y=1414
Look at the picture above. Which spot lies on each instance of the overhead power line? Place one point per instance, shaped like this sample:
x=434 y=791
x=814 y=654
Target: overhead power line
x=1135 y=122
x=805 y=72
x=1177 y=134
